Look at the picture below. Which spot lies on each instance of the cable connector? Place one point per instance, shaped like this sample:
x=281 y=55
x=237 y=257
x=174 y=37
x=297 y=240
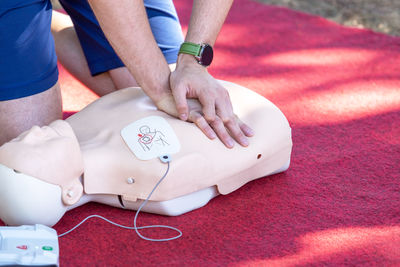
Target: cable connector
x=165 y=158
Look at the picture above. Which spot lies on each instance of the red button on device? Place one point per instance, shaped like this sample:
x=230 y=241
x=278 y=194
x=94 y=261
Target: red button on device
x=24 y=247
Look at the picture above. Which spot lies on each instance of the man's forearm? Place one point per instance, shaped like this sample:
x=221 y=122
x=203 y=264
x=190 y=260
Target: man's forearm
x=126 y=27
x=206 y=21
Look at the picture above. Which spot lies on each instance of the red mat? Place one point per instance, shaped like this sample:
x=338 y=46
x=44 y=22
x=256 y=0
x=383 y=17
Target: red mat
x=338 y=204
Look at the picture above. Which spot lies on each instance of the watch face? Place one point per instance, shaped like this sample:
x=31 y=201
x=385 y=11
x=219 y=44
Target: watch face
x=206 y=55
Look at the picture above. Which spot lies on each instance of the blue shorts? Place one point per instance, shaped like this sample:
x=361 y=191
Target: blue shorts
x=99 y=53
x=28 y=62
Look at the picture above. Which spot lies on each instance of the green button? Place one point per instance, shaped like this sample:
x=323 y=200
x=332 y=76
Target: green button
x=48 y=248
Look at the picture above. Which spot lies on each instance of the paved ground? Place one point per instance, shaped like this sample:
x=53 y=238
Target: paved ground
x=379 y=15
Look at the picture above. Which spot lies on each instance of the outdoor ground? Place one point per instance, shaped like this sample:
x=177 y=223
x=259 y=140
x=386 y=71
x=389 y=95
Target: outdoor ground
x=339 y=202
x=379 y=15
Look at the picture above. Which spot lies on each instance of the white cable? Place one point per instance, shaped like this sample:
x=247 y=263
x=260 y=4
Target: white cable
x=134 y=221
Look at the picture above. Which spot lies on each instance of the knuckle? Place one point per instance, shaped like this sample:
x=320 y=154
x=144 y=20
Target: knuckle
x=210 y=118
x=225 y=136
x=211 y=99
x=226 y=94
x=223 y=93
x=229 y=120
x=208 y=130
x=176 y=86
x=181 y=107
x=198 y=120
x=240 y=135
x=211 y=93
x=217 y=121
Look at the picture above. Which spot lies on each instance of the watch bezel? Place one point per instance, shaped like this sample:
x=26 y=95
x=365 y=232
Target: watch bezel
x=200 y=58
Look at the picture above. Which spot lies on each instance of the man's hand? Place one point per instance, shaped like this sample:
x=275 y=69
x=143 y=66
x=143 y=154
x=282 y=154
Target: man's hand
x=167 y=104
x=215 y=117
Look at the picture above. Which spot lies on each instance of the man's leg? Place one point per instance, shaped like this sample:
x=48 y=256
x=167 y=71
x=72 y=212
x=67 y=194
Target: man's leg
x=70 y=54
x=102 y=71
x=19 y=115
x=29 y=92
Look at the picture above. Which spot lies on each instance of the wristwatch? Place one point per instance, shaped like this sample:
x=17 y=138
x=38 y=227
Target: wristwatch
x=202 y=52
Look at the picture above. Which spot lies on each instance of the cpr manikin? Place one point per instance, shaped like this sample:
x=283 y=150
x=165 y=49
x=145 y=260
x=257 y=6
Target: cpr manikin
x=46 y=171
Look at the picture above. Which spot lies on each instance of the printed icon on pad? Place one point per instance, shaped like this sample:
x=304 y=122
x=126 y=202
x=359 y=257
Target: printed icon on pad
x=151 y=137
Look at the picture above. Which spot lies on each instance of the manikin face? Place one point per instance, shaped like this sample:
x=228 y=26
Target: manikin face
x=51 y=154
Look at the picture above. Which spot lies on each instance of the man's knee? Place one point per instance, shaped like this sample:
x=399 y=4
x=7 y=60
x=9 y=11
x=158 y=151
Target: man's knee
x=19 y=115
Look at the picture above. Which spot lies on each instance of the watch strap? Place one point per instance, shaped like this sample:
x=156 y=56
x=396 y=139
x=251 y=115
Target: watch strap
x=190 y=48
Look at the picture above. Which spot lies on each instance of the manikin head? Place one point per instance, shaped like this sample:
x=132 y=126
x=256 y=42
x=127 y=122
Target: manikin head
x=40 y=175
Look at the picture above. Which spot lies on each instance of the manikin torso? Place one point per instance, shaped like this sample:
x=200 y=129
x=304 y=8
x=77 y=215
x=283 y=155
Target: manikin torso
x=112 y=174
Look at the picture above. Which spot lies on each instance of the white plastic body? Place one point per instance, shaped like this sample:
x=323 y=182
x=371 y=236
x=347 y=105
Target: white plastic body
x=29 y=245
x=173 y=207
x=36 y=202
x=40 y=202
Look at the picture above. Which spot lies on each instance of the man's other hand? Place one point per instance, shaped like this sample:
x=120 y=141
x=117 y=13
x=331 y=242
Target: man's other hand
x=215 y=117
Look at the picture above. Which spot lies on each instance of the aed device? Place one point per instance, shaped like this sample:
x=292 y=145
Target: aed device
x=28 y=245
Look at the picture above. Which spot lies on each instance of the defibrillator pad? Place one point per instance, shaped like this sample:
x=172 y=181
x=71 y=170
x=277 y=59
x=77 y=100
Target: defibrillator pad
x=151 y=137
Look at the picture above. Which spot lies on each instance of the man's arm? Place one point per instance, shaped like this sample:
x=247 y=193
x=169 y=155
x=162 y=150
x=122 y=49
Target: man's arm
x=127 y=28
x=191 y=80
x=206 y=20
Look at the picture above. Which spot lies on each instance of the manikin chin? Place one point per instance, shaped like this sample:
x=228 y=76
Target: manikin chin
x=49 y=170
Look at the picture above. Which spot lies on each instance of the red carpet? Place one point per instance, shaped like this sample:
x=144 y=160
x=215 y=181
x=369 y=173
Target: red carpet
x=338 y=204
